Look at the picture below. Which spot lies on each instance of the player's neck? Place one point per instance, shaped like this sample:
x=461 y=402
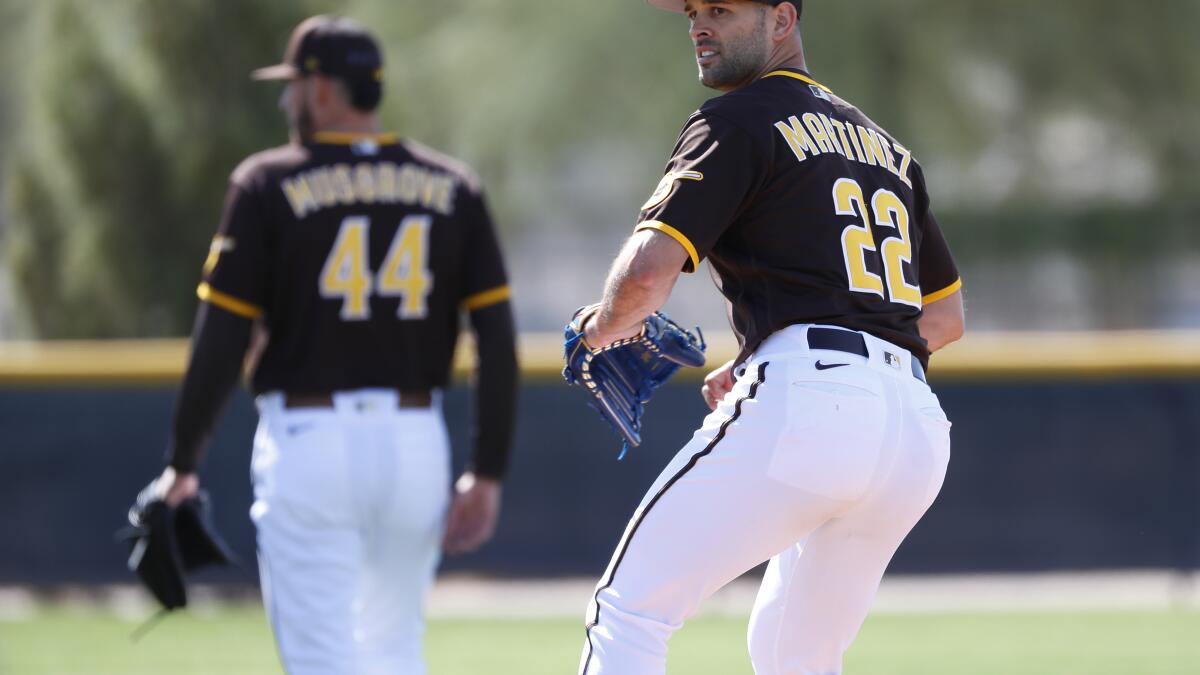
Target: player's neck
x=351 y=123
x=789 y=54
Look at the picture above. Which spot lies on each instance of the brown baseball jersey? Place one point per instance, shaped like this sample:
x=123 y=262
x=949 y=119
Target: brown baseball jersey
x=808 y=212
x=357 y=254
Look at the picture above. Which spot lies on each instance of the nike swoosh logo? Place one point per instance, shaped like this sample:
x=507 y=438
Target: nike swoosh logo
x=827 y=366
x=294 y=429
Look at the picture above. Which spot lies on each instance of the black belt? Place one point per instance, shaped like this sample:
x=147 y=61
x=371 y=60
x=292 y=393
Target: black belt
x=853 y=343
x=404 y=399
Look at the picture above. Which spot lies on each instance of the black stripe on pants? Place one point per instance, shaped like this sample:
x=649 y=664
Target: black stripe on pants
x=737 y=410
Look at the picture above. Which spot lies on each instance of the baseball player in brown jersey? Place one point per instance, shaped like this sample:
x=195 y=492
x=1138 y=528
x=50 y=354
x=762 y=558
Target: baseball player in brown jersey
x=825 y=444
x=355 y=252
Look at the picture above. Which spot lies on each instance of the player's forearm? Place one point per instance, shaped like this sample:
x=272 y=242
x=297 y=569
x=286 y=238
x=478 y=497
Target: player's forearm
x=495 y=390
x=638 y=285
x=218 y=347
x=942 y=322
x=627 y=301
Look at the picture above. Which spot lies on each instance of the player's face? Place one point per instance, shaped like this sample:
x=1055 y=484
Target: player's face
x=295 y=105
x=731 y=40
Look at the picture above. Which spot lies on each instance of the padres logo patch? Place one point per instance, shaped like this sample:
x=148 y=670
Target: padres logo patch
x=220 y=244
x=668 y=182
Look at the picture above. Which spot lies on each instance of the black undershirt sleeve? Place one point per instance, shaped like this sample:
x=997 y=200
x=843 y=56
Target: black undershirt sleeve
x=495 y=400
x=219 y=342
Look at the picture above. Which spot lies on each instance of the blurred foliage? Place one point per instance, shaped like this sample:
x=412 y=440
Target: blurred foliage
x=1062 y=125
x=126 y=137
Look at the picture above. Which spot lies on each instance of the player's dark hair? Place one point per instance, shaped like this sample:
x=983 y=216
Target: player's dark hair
x=366 y=95
x=363 y=94
x=798 y=4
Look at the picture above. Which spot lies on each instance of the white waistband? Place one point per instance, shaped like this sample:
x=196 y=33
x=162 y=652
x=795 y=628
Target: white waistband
x=359 y=401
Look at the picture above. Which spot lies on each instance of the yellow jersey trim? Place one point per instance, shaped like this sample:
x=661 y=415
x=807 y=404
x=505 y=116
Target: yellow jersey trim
x=802 y=78
x=944 y=293
x=227 y=302
x=674 y=234
x=487 y=298
x=351 y=137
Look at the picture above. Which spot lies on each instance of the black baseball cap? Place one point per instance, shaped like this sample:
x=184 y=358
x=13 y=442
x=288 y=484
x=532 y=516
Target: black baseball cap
x=328 y=45
x=677 y=5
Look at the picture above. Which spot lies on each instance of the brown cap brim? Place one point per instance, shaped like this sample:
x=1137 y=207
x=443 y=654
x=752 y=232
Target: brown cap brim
x=282 y=71
x=669 y=5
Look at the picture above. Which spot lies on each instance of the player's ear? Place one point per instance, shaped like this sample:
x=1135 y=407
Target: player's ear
x=785 y=19
x=320 y=89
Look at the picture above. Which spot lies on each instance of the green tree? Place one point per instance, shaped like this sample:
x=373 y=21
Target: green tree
x=128 y=136
x=1062 y=126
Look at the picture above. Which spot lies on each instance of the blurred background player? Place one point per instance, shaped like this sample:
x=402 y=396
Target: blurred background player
x=825 y=444
x=354 y=253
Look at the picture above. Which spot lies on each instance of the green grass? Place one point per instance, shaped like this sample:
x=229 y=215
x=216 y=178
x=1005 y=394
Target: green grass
x=236 y=639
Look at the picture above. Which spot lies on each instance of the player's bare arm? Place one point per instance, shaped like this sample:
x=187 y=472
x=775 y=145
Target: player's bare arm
x=942 y=321
x=174 y=488
x=638 y=284
x=473 y=513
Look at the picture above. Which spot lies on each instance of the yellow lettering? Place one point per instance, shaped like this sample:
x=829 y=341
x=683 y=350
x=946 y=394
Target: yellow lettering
x=322 y=186
x=385 y=182
x=832 y=135
x=442 y=200
x=905 y=161
x=841 y=129
x=887 y=152
x=408 y=184
x=428 y=189
x=343 y=185
x=299 y=196
x=817 y=130
x=364 y=183
x=874 y=151
x=369 y=183
x=797 y=138
x=854 y=139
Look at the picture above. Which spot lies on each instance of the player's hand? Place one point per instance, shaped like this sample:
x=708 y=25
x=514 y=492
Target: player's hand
x=595 y=337
x=717 y=383
x=473 y=513
x=176 y=487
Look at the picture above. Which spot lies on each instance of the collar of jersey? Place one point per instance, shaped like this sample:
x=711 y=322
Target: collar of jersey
x=799 y=76
x=350 y=138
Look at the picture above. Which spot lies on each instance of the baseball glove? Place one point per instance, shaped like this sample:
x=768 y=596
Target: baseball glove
x=165 y=543
x=622 y=376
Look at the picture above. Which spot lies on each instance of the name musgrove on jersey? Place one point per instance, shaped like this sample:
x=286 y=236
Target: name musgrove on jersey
x=369 y=183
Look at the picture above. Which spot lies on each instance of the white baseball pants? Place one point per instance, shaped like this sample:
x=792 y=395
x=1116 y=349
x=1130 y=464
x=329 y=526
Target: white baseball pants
x=350 y=505
x=821 y=471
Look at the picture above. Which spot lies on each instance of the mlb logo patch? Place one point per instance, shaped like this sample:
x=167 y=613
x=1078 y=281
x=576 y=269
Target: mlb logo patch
x=366 y=147
x=818 y=92
x=892 y=360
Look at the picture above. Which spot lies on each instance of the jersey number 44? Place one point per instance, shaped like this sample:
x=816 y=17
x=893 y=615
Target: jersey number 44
x=404 y=273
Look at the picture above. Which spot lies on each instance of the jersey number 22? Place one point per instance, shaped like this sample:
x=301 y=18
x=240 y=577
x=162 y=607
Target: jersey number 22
x=858 y=241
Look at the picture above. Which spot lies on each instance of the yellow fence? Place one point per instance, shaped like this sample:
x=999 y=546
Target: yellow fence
x=978 y=356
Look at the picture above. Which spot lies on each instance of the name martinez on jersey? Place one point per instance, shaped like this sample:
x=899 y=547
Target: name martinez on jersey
x=820 y=134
